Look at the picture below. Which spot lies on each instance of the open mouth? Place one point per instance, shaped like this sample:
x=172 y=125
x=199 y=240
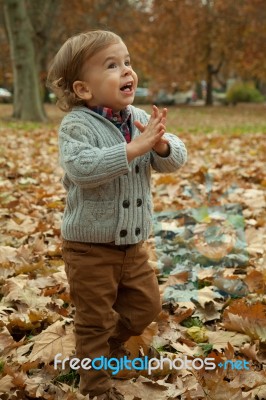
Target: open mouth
x=127 y=87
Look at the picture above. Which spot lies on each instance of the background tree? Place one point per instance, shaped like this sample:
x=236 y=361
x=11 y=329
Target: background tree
x=192 y=48
x=249 y=59
x=42 y=16
x=196 y=40
x=173 y=43
x=5 y=72
x=36 y=30
x=27 y=99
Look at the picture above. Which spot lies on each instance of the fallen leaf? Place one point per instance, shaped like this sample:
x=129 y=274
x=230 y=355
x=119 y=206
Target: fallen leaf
x=219 y=339
x=56 y=339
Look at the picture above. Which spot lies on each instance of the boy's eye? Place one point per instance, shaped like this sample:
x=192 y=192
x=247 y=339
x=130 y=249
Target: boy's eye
x=113 y=65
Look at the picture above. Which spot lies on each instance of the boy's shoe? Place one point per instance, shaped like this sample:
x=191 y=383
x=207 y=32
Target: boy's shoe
x=110 y=394
x=119 y=352
x=153 y=353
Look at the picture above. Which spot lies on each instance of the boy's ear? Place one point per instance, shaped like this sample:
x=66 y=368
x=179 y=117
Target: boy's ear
x=82 y=90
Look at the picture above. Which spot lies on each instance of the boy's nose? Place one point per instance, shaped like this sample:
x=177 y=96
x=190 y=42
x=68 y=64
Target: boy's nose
x=127 y=70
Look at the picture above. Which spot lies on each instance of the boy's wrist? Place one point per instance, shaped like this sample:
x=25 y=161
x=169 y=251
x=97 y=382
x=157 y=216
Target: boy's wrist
x=162 y=149
x=132 y=151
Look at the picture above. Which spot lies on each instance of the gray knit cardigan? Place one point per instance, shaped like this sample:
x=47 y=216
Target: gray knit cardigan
x=108 y=199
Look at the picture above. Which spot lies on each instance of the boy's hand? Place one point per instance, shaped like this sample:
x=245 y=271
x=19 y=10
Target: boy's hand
x=151 y=135
x=162 y=147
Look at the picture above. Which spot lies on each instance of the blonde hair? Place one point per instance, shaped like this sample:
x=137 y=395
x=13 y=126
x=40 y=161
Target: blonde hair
x=67 y=64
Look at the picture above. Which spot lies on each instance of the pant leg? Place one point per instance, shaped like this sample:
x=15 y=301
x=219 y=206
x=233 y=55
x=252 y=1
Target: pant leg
x=93 y=276
x=138 y=301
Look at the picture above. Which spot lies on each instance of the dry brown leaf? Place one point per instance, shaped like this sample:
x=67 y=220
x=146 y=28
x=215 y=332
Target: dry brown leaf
x=22 y=321
x=6 y=341
x=39 y=387
x=19 y=380
x=143 y=341
x=220 y=339
x=256 y=240
x=145 y=389
x=215 y=252
x=247 y=318
x=208 y=295
x=25 y=226
x=182 y=313
x=166 y=179
x=242 y=324
x=57 y=338
x=6 y=384
x=254 y=198
x=20 y=354
x=249 y=379
x=256 y=282
x=17 y=289
x=169 y=330
x=9 y=254
x=252 y=352
x=259 y=393
x=184 y=349
x=224 y=391
x=210 y=312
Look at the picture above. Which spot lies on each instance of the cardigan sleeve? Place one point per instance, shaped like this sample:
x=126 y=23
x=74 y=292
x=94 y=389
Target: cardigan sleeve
x=176 y=158
x=86 y=164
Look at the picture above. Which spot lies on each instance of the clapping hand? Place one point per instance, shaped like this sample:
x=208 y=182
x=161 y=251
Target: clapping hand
x=157 y=121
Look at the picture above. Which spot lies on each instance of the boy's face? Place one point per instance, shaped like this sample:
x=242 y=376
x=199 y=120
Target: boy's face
x=108 y=79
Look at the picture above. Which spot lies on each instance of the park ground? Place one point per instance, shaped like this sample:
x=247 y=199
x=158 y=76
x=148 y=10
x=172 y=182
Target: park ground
x=207 y=248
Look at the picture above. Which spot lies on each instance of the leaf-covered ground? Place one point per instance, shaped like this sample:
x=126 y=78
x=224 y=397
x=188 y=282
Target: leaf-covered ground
x=207 y=248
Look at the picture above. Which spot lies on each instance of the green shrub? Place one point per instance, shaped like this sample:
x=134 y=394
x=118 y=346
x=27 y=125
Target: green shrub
x=244 y=92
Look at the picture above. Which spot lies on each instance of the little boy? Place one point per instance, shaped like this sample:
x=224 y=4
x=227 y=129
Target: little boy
x=107 y=148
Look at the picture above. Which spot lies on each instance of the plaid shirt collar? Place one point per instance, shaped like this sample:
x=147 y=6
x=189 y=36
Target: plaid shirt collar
x=121 y=119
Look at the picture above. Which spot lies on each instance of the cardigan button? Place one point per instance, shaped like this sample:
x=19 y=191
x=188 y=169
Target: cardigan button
x=126 y=203
x=137 y=169
x=123 y=233
x=137 y=231
x=139 y=202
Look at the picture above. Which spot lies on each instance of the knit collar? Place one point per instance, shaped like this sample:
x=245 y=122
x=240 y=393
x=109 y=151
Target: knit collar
x=119 y=117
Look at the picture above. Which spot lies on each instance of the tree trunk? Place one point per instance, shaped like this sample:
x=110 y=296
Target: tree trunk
x=209 y=97
x=27 y=97
x=43 y=16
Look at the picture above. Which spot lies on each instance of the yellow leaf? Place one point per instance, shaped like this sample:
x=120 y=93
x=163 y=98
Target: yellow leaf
x=198 y=334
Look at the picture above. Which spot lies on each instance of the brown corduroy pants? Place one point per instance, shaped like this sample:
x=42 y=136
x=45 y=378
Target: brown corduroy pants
x=116 y=296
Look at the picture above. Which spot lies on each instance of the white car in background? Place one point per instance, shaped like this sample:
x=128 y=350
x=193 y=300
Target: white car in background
x=164 y=98
x=142 y=96
x=187 y=97
x=5 y=96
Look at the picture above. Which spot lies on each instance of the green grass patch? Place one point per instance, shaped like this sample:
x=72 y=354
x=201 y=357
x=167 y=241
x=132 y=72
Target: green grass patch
x=71 y=378
x=2 y=364
x=236 y=120
x=224 y=120
x=192 y=321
